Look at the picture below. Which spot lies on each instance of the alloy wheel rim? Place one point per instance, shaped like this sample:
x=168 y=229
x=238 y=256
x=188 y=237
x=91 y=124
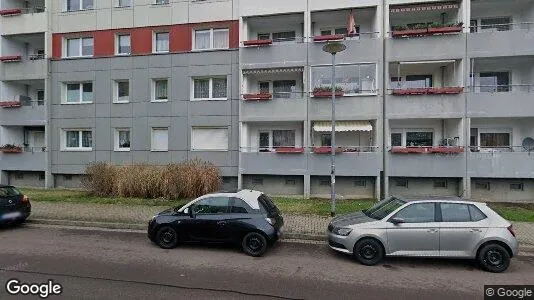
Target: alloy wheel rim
x=368 y=251
x=254 y=243
x=168 y=237
x=494 y=257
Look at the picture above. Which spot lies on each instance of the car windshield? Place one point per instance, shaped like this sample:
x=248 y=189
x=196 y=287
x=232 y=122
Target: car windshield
x=383 y=208
x=9 y=191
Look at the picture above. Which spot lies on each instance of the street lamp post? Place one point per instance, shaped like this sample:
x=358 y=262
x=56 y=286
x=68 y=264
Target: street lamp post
x=333 y=48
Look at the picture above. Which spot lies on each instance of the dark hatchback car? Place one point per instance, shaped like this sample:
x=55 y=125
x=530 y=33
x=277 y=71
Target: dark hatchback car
x=15 y=207
x=248 y=218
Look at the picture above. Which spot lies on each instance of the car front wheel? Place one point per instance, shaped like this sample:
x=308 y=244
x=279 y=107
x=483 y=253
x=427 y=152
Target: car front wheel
x=167 y=237
x=254 y=244
x=368 y=251
x=494 y=258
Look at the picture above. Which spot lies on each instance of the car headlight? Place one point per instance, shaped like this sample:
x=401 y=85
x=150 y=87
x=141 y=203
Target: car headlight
x=342 y=231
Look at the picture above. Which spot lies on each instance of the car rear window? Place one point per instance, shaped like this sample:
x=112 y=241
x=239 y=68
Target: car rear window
x=267 y=204
x=9 y=191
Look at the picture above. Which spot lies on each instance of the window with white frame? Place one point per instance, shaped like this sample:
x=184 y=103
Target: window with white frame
x=211 y=39
x=122 y=139
x=160 y=92
x=122 y=91
x=124 y=3
x=210 y=88
x=161 y=42
x=79 y=47
x=209 y=139
x=352 y=79
x=78 y=92
x=74 y=5
x=160 y=2
x=77 y=139
x=160 y=139
x=124 y=44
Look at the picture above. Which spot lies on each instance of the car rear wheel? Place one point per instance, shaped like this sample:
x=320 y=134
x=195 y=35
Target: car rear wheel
x=494 y=258
x=167 y=237
x=368 y=252
x=254 y=244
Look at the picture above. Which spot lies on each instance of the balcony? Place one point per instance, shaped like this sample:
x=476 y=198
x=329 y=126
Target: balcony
x=364 y=161
x=427 y=163
x=24 y=69
x=27 y=113
x=518 y=163
x=514 y=101
x=30 y=159
x=23 y=21
x=273 y=163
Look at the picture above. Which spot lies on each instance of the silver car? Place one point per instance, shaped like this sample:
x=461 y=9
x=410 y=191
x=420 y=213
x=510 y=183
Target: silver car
x=426 y=227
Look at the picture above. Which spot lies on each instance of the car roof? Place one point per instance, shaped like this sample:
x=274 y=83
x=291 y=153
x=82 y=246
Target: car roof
x=249 y=196
x=435 y=199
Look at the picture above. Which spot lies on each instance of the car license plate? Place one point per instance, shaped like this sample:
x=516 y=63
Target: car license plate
x=12 y=215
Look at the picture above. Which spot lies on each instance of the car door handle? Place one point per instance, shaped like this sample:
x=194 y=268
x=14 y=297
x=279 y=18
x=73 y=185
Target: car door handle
x=221 y=223
x=475 y=230
x=432 y=230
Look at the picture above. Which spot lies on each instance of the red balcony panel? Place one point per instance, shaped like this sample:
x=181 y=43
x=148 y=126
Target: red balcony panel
x=445 y=29
x=445 y=90
x=418 y=150
x=409 y=32
x=257 y=43
x=289 y=150
x=11 y=149
x=259 y=96
x=10 y=58
x=10 y=104
x=10 y=12
x=325 y=38
x=411 y=91
x=326 y=150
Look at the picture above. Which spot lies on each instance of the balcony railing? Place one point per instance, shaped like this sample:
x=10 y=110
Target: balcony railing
x=501 y=27
x=433 y=29
x=427 y=91
x=311 y=149
x=526 y=88
x=498 y=149
x=313 y=39
x=427 y=149
x=20 y=11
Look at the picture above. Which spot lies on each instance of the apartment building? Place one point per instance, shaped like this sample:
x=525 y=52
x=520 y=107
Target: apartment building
x=433 y=97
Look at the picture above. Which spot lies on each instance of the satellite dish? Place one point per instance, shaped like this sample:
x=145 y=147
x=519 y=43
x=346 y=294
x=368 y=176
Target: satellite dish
x=528 y=144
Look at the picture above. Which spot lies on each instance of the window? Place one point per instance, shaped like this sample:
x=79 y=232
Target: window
x=211 y=205
x=516 y=186
x=283 y=36
x=360 y=183
x=455 y=212
x=283 y=138
x=160 y=2
x=122 y=88
x=419 y=139
x=160 y=91
x=161 y=42
x=67 y=177
x=238 y=206
x=476 y=214
x=79 y=47
x=264 y=141
x=291 y=181
x=418 y=213
x=123 y=44
x=491 y=82
x=352 y=79
x=482 y=185
x=78 y=140
x=160 y=139
x=396 y=139
x=401 y=182
x=418 y=81
x=473 y=139
x=74 y=5
x=40 y=97
x=488 y=139
x=495 y=24
x=122 y=139
x=283 y=88
x=264 y=87
x=209 y=139
x=339 y=30
x=473 y=26
x=440 y=184
x=264 y=36
x=326 y=139
x=79 y=92
x=19 y=175
x=211 y=39
x=124 y=3
x=210 y=88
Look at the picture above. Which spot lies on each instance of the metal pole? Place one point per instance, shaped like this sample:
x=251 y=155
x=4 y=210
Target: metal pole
x=333 y=141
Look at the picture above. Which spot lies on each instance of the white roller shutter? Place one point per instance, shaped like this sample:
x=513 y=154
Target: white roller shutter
x=209 y=139
x=160 y=139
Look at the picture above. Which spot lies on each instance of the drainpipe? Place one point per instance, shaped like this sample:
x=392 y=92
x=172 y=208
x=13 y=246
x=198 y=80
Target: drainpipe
x=383 y=178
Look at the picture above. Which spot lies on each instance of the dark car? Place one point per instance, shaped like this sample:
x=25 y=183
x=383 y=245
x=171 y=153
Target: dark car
x=15 y=207
x=247 y=218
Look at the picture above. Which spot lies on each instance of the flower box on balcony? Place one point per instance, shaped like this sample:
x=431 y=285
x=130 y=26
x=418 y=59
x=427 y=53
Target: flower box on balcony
x=409 y=32
x=259 y=96
x=326 y=94
x=257 y=43
x=412 y=91
x=10 y=104
x=289 y=150
x=445 y=29
x=326 y=150
x=10 y=149
x=10 y=58
x=446 y=150
x=326 y=38
x=445 y=90
x=398 y=149
x=10 y=12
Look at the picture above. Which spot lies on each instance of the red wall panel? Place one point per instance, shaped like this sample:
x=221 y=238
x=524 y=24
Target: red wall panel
x=56 y=45
x=104 y=43
x=181 y=39
x=141 y=40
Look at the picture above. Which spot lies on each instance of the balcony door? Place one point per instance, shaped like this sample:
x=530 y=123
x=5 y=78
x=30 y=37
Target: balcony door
x=37 y=140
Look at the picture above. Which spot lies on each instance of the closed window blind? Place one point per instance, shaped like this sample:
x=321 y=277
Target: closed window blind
x=160 y=139
x=209 y=139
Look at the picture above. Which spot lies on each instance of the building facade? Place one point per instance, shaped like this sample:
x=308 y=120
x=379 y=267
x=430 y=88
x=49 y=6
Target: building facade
x=434 y=97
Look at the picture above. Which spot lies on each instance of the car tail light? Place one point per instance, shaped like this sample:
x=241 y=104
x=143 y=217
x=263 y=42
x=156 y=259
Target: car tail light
x=25 y=199
x=511 y=229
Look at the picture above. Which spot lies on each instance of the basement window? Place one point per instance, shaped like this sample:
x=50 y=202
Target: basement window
x=402 y=182
x=483 y=185
x=516 y=187
x=440 y=184
x=360 y=182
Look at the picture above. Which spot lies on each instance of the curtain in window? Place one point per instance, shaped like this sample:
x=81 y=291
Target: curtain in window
x=161 y=90
x=87 y=46
x=201 y=88
x=202 y=39
x=73 y=139
x=495 y=139
x=160 y=139
x=219 y=87
x=73 y=47
x=283 y=88
x=73 y=93
x=124 y=44
x=220 y=38
x=87 y=139
x=124 y=139
x=162 y=41
x=283 y=138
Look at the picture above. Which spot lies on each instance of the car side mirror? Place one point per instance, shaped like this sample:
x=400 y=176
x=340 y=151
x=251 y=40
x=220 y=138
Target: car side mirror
x=396 y=221
x=190 y=212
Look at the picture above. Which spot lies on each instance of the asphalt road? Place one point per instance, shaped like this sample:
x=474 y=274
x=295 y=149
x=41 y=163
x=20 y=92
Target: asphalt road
x=121 y=265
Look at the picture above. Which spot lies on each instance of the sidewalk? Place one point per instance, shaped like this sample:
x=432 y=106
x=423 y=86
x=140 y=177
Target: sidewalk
x=136 y=217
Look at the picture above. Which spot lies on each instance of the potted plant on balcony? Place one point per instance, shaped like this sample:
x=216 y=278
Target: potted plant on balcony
x=440 y=28
x=411 y=91
x=10 y=12
x=250 y=43
x=447 y=149
x=326 y=92
x=10 y=58
x=410 y=149
x=258 y=96
x=9 y=148
x=403 y=30
x=10 y=104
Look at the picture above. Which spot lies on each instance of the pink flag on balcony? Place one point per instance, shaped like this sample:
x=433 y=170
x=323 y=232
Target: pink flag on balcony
x=351 y=24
